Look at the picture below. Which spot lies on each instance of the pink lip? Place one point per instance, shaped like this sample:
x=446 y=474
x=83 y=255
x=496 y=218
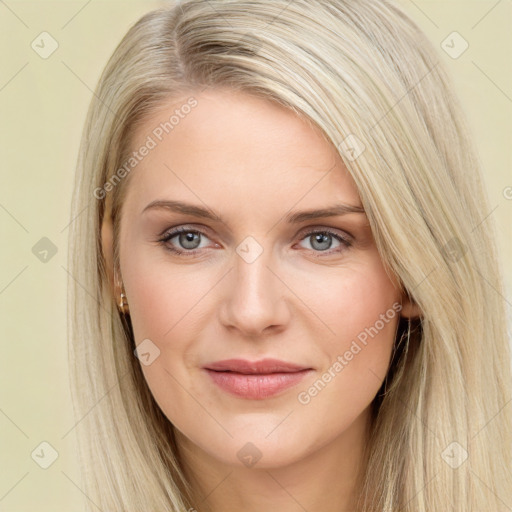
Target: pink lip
x=255 y=380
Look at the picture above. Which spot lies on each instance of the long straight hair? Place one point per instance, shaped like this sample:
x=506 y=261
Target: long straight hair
x=369 y=78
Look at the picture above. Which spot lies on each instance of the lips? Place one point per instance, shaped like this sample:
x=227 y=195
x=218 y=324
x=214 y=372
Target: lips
x=255 y=380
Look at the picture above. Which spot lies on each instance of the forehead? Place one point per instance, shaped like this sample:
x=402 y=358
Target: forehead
x=227 y=146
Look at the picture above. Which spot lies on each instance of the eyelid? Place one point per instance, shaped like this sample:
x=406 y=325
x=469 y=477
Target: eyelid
x=185 y=227
x=326 y=229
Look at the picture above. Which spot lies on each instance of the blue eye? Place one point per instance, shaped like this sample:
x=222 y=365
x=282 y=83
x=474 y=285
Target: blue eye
x=322 y=241
x=189 y=241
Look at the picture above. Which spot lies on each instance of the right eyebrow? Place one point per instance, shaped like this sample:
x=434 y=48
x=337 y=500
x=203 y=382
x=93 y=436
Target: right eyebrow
x=185 y=208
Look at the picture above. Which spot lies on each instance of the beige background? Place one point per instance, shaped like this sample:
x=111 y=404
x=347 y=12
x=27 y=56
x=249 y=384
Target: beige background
x=42 y=107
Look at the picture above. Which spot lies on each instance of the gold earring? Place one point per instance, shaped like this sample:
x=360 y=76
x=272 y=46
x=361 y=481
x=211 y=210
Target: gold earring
x=123 y=304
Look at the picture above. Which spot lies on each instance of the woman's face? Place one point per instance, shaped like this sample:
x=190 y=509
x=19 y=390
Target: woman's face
x=254 y=275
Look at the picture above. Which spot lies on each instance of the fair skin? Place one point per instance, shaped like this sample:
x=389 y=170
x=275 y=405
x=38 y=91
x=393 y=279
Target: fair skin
x=304 y=300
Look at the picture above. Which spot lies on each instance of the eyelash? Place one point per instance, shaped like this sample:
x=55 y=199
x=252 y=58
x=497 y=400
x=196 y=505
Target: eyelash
x=345 y=242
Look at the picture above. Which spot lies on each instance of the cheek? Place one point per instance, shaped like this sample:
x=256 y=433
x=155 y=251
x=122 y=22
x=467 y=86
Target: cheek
x=349 y=301
x=367 y=312
x=163 y=298
x=363 y=309
x=367 y=327
x=165 y=307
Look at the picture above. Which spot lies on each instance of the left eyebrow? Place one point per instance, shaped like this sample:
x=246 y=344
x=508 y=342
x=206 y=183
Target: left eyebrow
x=291 y=218
x=332 y=211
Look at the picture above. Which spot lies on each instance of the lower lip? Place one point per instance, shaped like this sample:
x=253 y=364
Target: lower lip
x=258 y=386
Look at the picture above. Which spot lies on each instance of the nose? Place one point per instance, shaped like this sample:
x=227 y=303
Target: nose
x=254 y=298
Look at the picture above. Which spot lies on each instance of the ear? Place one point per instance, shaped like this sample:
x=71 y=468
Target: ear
x=107 y=247
x=409 y=308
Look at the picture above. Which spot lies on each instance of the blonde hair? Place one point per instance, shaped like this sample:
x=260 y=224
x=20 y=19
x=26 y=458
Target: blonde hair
x=361 y=70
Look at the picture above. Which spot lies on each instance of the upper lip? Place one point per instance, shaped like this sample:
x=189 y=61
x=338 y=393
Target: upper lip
x=263 y=366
